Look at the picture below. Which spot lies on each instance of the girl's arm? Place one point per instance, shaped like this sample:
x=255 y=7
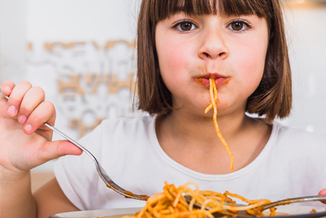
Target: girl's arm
x=50 y=200
x=46 y=201
x=24 y=144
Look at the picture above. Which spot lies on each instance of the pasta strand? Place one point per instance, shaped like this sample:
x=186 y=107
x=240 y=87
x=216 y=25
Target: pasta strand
x=161 y=204
x=213 y=95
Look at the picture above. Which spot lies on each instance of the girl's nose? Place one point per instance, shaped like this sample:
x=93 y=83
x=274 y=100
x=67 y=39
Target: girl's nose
x=213 y=47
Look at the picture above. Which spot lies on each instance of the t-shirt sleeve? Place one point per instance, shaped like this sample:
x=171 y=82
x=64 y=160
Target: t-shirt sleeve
x=77 y=175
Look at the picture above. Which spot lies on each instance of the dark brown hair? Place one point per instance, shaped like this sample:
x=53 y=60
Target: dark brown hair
x=272 y=98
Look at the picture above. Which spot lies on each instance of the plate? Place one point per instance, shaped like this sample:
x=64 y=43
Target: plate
x=289 y=211
x=108 y=213
x=295 y=211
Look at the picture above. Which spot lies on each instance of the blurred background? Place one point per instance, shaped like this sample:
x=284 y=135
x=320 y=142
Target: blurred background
x=82 y=53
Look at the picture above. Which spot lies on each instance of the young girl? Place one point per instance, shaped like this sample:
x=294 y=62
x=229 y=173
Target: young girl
x=181 y=45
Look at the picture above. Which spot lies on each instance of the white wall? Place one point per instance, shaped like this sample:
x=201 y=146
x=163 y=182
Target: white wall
x=13 y=39
x=81 y=19
x=306 y=33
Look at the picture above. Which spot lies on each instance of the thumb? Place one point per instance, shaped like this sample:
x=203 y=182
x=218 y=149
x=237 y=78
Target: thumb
x=323 y=192
x=55 y=149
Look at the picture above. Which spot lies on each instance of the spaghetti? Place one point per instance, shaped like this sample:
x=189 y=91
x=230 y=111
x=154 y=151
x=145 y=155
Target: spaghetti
x=171 y=203
x=214 y=100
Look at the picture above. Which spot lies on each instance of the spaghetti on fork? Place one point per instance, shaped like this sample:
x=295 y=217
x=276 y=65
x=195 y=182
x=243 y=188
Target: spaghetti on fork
x=171 y=203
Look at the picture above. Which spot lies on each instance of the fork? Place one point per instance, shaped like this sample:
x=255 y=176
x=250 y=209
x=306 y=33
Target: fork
x=293 y=200
x=102 y=173
x=272 y=204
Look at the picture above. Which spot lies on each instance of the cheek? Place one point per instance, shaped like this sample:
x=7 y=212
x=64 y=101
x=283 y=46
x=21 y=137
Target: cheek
x=252 y=62
x=173 y=56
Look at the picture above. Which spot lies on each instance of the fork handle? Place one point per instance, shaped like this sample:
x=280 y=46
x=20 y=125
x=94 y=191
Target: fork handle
x=295 y=200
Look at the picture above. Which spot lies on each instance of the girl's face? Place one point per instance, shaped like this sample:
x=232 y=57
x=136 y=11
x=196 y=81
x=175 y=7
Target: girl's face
x=191 y=49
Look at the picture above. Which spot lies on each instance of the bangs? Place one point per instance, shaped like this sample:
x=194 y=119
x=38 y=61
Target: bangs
x=165 y=8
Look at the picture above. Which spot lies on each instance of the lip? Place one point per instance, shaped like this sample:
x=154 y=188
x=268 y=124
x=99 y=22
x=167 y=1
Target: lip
x=219 y=79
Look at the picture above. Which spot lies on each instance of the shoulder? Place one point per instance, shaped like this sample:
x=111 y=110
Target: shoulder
x=296 y=135
x=122 y=132
x=125 y=121
x=296 y=142
x=127 y=125
x=297 y=155
x=118 y=131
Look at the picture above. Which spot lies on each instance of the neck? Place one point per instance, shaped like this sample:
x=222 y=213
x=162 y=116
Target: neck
x=192 y=141
x=201 y=128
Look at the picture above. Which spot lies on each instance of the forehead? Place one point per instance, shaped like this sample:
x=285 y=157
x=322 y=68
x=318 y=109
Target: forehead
x=166 y=8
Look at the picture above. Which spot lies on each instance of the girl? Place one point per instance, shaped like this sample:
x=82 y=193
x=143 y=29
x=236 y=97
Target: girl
x=181 y=45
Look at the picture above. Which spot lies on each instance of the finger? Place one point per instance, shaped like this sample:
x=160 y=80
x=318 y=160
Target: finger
x=45 y=112
x=7 y=86
x=55 y=149
x=16 y=97
x=31 y=100
x=323 y=192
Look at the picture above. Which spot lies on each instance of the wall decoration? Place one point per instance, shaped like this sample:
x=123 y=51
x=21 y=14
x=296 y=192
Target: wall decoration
x=93 y=81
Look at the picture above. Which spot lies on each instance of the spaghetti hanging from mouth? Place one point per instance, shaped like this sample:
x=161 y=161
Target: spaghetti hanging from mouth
x=214 y=100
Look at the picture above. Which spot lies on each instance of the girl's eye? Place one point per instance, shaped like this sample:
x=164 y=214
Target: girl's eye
x=239 y=26
x=185 y=26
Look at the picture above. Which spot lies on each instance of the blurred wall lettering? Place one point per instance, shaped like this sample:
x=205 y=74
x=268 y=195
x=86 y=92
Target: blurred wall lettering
x=93 y=81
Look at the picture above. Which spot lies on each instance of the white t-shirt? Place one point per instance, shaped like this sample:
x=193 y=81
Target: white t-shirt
x=292 y=164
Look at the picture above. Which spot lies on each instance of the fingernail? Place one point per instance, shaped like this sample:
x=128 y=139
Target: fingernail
x=6 y=89
x=28 y=128
x=22 y=119
x=12 y=111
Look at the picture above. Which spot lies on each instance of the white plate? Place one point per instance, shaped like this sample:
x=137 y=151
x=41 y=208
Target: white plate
x=283 y=211
x=298 y=211
x=108 y=213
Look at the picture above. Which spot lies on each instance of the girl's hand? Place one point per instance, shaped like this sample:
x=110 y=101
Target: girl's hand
x=24 y=141
x=322 y=192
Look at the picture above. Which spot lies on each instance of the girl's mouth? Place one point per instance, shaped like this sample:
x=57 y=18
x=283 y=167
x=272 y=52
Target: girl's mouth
x=219 y=79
